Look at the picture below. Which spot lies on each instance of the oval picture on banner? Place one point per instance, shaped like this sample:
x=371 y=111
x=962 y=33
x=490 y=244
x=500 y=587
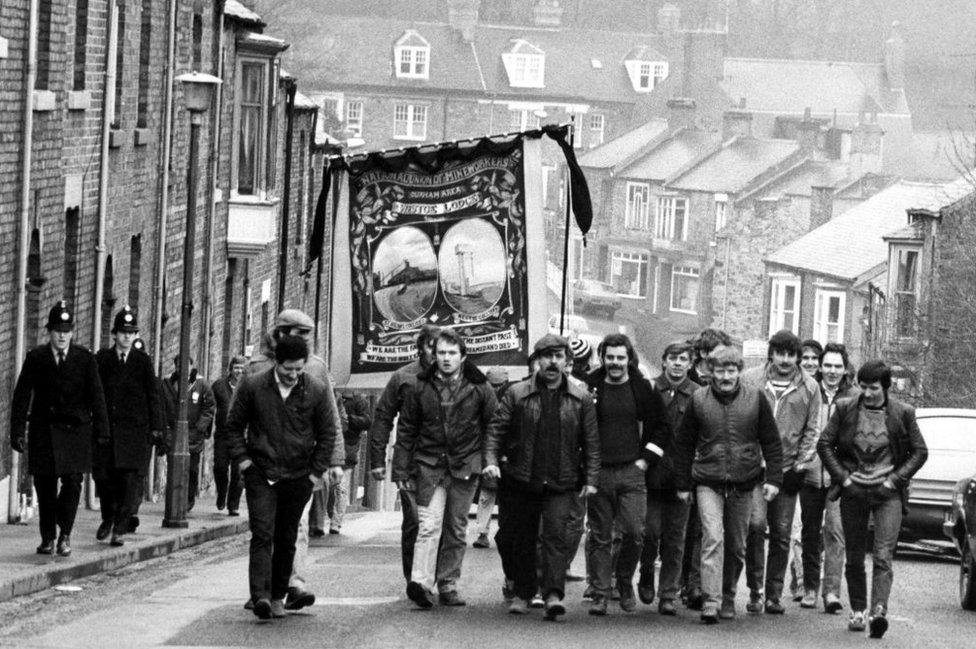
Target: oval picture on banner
x=404 y=274
x=472 y=266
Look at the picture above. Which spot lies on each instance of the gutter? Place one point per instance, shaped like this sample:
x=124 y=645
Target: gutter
x=291 y=87
x=23 y=239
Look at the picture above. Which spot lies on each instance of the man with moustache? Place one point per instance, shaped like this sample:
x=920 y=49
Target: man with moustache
x=726 y=434
x=59 y=393
x=136 y=420
x=667 y=515
x=441 y=432
x=545 y=430
x=795 y=400
x=634 y=431
x=822 y=529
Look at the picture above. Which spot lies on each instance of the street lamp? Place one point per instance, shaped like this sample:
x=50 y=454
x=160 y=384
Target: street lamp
x=198 y=90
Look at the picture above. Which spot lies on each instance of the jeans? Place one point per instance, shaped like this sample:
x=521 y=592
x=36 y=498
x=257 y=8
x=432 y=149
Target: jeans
x=520 y=512
x=339 y=500
x=779 y=518
x=691 y=565
x=795 y=563
x=408 y=530
x=577 y=522
x=725 y=520
x=856 y=507
x=486 y=503
x=822 y=532
x=621 y=498
x=442 y=534
x=319 y=507
x=118 y=497
x=756 y=544
x=57 y=508
x=227 y=477
x=664 y=531
x=300 y=563
x=273 y=514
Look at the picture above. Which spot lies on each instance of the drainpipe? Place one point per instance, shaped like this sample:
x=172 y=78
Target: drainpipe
x=160 y=297
x=23 y=240
x=205 y=333
x=291 y=86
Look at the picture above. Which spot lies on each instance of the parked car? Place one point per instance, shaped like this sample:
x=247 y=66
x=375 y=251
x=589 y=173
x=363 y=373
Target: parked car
x=592 y=295
x=950 y=435
x=960 y=527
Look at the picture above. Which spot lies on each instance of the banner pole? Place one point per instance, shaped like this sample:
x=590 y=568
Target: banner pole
x=569 y=195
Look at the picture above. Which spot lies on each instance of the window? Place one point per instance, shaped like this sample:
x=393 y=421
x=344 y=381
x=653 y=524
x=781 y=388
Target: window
x=637 y=215
x=671 y=222
x=410 y=122
x=646 y=75
x=784 y=305
x=596 y=130
x=906 y=291
x=145 y=51
x=523 y=120
x=412 y=62
x=828 y=316
x=525 y=70
x=628 y=272
x=42 y=79
x=81 y=44
x=721 y=211
x=197 y=41
x=135 y=270
x=354 y=117
x=251 y=145
x=684 y=289
x=72 y=238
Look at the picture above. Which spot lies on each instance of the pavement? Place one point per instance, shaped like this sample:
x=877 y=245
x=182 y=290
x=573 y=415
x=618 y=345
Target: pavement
x=22 y=571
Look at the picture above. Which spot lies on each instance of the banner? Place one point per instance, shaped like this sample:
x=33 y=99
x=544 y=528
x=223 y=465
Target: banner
x=442 y=240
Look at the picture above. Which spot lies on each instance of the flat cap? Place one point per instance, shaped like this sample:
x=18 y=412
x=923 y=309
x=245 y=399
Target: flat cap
x=294 y=318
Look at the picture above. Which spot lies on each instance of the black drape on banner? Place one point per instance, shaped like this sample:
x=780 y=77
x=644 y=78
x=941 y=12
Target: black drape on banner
x=317 y=239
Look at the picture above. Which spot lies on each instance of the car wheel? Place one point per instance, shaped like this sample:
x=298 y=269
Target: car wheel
x=967 y=579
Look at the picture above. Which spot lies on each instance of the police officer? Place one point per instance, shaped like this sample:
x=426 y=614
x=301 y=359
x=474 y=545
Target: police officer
x=136 y=420
x=59 y=393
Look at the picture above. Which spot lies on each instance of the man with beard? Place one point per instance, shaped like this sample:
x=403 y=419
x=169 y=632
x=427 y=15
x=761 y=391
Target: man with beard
x=136 y=419
x=227 y=475
x=633 y=428
x=726 y=434
x=440 y=435
x=818 y=513
x=667 y=515
x=545 y=430
x=795 y=400
x=388 y=407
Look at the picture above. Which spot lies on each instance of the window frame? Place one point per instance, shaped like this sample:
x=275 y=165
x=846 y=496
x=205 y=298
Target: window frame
x=821 y=311
x=260 y=189
x=411 y=120
x=527 y=70
x=597 y=135
x=721 y=211
x=416 y=56
x=354 y=124
x=620 y=256
x=777 y=295
x=898 y=293
x=636 y=219
x=685 y=271
x=664 y=218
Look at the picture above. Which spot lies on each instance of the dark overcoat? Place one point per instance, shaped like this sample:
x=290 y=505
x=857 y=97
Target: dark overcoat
x=64 y=408
x=134 y=409
x=200 y=409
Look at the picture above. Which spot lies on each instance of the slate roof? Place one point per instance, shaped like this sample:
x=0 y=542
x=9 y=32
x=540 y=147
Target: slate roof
x=735 y=165
x=620 y=148
x=786 y=86
x=358 y=51
x=236 y=10
x=856 y=237
x=684 y=146
x=800 y=180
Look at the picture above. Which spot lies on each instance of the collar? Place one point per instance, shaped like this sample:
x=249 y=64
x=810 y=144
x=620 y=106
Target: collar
x=55 y=352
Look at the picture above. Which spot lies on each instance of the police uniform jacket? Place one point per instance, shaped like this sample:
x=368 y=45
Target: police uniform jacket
x=134 y=410
x=64 y=408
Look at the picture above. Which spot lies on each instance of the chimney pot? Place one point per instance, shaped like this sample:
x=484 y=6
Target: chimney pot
x=736 y=123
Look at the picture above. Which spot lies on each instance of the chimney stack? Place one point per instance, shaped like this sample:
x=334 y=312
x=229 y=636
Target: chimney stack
x=894 y=59
x=462 y=15
x=821 y=206
x=867 y=139
x=682 y=113
x=736 y=123
x=809 y=133
x=668 y=19
x=548 y=13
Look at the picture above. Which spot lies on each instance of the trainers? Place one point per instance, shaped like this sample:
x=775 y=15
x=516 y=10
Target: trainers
x=508 y=590
x=589 y=593
x=298 y=599
x=419 y=595
x=335 y=530
x=628 y=602
x=481 y=542
x=262 y=608
x=645 y=593
x=856 y=621
x=666 y=607
x=727 y=611
x=773 y=607
x=554 y=607
x=695 y=600
x=832 y=603
x=450 y=598
x=755 y=604
x=278 y=608
x=537 y=601
x=809 y=599
x=46 y=547
x=316 y=532
x=518 y=607
x=709 y=614
x=64 y=546
x=599 y=605
x=877 y=623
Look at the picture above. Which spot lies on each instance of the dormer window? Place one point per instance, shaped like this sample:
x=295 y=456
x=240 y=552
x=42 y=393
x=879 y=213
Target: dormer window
x=525 y=65
x=411 y=56
x=646 y=69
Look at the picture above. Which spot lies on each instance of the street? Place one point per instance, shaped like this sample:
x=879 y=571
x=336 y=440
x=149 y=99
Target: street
x=194 y=598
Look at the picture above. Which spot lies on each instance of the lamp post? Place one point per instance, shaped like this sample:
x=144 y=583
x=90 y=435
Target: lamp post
x=198 y=89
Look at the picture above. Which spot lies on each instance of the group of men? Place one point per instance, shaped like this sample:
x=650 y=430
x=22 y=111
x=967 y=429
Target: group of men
x=694 y=468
